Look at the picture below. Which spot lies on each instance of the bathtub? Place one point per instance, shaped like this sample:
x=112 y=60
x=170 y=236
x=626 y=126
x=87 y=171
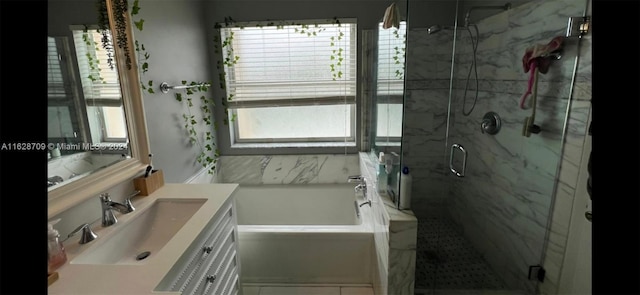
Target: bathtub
x=304 y=234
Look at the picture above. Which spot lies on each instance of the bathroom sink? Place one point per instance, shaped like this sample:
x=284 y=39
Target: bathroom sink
x=144 y=235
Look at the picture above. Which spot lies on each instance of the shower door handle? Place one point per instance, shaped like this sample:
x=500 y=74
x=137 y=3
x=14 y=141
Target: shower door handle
x=455 y=147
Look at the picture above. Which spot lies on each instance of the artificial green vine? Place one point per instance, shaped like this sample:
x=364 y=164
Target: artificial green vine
x=231 y=59
x=399 y=52
x=94 y=73
x=336 y=56
x=103 y=28
x=120 y=8
x=209 y=154
x=143 y=55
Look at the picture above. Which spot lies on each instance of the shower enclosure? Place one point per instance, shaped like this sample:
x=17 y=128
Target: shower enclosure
x=488 y=195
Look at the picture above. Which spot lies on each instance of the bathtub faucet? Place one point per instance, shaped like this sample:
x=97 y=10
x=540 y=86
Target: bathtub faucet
x=362 y=185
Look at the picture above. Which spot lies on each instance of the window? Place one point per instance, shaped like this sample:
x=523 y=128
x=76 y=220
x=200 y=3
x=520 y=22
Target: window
x=390 y=83
x=292 y=83
x=60 y=99
x=100 y=87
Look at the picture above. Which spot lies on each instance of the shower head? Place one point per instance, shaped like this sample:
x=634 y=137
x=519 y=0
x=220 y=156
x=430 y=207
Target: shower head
x=507 y=6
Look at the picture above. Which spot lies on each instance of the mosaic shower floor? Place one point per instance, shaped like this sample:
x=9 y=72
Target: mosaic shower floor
x=445 y=260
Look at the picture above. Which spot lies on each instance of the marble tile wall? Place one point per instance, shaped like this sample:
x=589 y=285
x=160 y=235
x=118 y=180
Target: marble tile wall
x=395 y=236
x=287 y=169
x=503 y=203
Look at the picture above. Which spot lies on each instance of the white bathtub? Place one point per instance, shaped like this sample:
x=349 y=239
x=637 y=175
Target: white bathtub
x=304 y=234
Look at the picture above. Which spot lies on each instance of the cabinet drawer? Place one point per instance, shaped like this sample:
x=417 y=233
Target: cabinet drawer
x=200 y=252
x=214 y=272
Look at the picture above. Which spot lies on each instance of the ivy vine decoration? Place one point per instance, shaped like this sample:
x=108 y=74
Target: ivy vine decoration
x=230 y=59
x=209 y=154
x=103 y=28
x=142 y=54
x=92 y=59
x=120 y=10
x=336 y=56
x=400 y=53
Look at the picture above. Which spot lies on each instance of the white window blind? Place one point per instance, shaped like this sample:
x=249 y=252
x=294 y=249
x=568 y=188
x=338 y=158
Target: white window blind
x=391 y=58
x=55 y=80
x=291 y=83
x=99 y=81
x=390 y=83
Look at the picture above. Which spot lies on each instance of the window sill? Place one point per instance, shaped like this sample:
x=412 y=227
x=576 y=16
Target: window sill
x=292 y=145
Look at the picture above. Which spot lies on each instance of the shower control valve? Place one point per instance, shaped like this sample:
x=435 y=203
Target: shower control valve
x=491 y=123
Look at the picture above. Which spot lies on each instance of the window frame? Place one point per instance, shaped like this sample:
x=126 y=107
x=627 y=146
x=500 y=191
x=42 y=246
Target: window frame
x=389 y=98
x=99 y=103
x=230 y=132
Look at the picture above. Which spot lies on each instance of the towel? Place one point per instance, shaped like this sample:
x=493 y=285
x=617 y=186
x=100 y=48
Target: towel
x=536 y=58
x=538 y=53
x=391 y=17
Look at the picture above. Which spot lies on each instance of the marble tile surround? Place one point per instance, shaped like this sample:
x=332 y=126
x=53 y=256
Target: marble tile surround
x=507 y=220
x=288 y=169
x=395 y=231
x=395 y=236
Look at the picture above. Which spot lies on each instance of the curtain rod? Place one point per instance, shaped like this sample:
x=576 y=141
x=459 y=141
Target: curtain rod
x=165 y=87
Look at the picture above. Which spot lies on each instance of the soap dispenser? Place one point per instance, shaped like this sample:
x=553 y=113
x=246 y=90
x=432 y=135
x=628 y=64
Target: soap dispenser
x=57 y=255
x=381 y=174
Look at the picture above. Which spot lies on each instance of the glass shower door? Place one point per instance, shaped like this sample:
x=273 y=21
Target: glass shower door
x=505 y=145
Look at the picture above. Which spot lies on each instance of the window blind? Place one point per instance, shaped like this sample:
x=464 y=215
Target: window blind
x=391 y=58
x=290 y=64
x=99 y=82
x=55 y=80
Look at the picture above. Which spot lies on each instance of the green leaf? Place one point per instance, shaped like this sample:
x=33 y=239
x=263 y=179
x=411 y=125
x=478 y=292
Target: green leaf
x=151 y=90
x=136 y=8
x=179 y=97
x=139 y=24
x=150 y=83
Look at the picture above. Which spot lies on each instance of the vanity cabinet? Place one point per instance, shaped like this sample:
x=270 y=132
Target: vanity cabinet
x=211 y=264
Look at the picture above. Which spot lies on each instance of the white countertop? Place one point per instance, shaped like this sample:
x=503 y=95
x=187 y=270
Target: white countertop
x=140 y=279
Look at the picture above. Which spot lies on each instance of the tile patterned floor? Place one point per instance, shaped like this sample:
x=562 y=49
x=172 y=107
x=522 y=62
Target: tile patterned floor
x=445 y=260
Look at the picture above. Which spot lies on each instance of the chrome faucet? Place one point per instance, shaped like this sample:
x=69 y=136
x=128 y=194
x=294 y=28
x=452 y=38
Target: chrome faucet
x=87 y=234
x=108 y=206
x=362 y=186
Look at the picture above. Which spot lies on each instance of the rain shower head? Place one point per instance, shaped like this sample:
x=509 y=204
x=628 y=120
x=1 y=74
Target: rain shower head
x=500 y=7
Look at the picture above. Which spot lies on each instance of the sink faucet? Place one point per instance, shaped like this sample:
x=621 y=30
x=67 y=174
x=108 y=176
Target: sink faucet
x=108 y=206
